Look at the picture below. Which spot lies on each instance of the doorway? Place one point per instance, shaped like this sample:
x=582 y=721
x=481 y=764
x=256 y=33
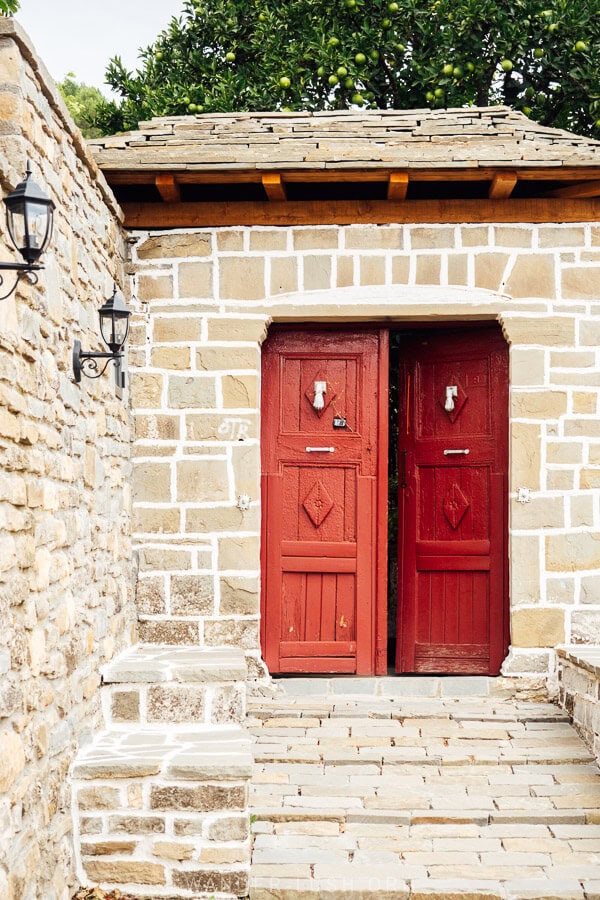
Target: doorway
x=367 y=428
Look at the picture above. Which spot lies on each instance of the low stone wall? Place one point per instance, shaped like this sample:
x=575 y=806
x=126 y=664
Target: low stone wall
x=579 y=691
x=160 y=798
x=66 y=578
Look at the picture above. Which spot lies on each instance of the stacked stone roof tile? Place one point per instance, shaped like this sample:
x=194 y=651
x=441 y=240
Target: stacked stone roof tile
x=452 y=138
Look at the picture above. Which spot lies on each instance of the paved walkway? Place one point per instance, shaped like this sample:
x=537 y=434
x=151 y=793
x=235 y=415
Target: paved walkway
x=365 y=796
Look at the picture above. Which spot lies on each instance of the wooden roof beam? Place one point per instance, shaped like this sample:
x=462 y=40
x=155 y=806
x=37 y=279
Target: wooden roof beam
x=274 y=186
x=351 y=212
x=502 y=186
x=583 y=191
x=168 y=188
x=397 y=187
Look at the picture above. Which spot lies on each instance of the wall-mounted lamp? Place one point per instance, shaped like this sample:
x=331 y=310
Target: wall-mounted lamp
x=114 y=327
x=29 y=218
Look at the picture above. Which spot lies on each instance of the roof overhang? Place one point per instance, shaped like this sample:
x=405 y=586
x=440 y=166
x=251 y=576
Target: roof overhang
x=477 y=165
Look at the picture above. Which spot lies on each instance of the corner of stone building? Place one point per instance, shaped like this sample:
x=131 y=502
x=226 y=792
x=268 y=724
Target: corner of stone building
x=66 y=576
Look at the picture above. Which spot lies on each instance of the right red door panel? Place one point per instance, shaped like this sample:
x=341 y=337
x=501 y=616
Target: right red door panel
x=453 y=440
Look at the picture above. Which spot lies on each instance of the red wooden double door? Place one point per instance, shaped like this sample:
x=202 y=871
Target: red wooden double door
x=325 y=421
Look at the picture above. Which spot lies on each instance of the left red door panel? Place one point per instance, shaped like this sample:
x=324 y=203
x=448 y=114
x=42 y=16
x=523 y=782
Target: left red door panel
x=321 y=547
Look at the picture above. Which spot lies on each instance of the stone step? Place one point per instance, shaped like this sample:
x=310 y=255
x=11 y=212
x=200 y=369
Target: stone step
x=474 y=797
x=149 y=684
x=164 y=811
x=395 y=686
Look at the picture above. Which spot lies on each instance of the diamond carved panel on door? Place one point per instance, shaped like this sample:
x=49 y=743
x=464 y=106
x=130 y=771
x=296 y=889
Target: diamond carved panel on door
x=452 y=605
x=320 y=402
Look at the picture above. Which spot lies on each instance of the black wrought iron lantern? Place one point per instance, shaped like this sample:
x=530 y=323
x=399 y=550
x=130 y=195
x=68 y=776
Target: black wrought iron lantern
x=114 y=328
x=114 y=321
x=29 y=218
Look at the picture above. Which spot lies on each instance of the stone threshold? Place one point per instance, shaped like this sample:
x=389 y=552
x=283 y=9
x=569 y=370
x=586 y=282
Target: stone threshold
x=391 y=686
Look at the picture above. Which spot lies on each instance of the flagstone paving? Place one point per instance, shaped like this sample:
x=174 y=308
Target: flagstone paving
x=419 y=797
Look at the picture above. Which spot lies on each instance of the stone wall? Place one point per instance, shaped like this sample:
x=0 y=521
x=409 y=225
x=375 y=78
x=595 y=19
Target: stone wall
x=205 y=299
x=65 y=551
x=579 y=691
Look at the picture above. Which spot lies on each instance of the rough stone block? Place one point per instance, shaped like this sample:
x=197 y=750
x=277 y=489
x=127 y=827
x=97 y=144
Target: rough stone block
x=239 y=596
x=203 y=480
x=176 y=329
x=229 y=240
x=490 y=269
x=428 y=268
x=268 y=240
x=284 y=275
x=232 y=632
x=150 y=596
x=124 y=872
x=372 y=270
x=98 y=798
x=580 y=283
x=173 y=850
x=225 y=518
x=251 y=329
x=537 y=627
x=125 y=706
x=191 y=392
x=157 y=427
x=156 y=521
x=195 y=279
x=160 y=632
x=155 y=287
x=538 y=404
x=192 y=595
x=175 y=704
x=107 y=848
x=210 y=359
x=152 y=482
x=203 y=798
x=229 y=427
x=174 y=358
x=229 y=828
x=432 y=237
x=573 y=552
x=242 y=278
x=315 y=238
x=174 y=244
x=585 y=627
x=212 y=881
x=317 y=272
x=137 y=824
x=146 y=390
x=239 y=553
x=345 y=271
x=240 y=391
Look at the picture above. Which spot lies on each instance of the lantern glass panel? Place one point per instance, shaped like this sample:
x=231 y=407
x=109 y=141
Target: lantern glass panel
x=114 y=326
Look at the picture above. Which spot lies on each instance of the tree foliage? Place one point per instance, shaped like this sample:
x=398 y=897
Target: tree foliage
x=540 y=56
x=9 y=7
x=83 y=102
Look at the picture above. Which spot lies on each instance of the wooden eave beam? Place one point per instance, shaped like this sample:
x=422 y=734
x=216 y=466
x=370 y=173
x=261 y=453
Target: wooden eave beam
x=168 y=188
x=581 y=191
x=347 y=212
x=397 y=187
x=503 y=184
x=254 y=176
x=274 y=186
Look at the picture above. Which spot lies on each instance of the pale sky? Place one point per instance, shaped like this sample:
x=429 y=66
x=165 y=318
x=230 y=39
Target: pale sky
x=80 y=36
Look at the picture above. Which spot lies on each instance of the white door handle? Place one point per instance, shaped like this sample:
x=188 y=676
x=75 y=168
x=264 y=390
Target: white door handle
x=320 y=449
x=456 y=452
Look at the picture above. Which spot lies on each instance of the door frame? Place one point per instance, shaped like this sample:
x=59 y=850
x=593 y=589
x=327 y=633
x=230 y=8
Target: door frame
x=379 y=634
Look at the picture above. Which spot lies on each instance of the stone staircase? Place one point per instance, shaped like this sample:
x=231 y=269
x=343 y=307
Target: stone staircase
x=160 y=798
x=456 y=793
